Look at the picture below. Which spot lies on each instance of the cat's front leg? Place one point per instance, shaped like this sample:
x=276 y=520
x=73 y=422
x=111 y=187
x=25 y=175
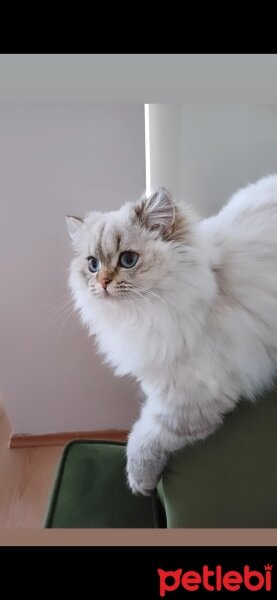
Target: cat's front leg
x=148 y=449
x=156 y=435
x=146 y=459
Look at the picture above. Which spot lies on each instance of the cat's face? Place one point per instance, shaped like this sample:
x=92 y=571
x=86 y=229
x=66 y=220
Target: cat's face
x=126 y=254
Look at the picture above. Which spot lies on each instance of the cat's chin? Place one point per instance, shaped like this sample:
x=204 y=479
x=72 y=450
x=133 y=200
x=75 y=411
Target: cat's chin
x=103 y=297
x=109 y=296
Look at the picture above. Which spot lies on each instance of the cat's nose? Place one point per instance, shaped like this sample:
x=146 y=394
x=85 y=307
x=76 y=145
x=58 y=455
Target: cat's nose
x=104 y=283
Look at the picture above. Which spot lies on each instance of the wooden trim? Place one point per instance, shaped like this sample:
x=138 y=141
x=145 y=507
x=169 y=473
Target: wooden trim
x=18 y=440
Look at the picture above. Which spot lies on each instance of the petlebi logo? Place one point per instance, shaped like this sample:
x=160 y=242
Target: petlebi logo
x=216 y=580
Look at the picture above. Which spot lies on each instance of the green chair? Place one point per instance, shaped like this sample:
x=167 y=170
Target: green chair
x=90 y=490
x=227 y=480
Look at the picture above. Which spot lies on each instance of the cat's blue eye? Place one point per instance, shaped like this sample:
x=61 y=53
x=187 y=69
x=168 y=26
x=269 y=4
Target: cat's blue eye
x=94 y=264
x=128 y=259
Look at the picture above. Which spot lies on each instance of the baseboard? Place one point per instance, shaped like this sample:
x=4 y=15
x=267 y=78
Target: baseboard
x=18 y=440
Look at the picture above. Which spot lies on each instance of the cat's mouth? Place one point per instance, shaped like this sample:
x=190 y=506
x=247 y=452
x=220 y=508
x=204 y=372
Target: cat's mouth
x=112 y=294
x=106 y=293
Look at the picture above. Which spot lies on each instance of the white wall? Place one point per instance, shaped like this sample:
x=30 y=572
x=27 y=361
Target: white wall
x=57 y=159
x=224 y=147
x=216 y=149
x=162 y=132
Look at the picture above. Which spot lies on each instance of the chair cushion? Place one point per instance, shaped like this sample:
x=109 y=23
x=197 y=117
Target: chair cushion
x=230 y=479
x=90 y=490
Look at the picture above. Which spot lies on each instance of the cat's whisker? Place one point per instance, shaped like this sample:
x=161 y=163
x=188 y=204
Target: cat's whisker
x=145 y=291
x=136 y=292
x=69 y=311
x=65 y=300
x=75 y=321
x=151 y=292
x=133 y=305
x=146 y=294
x=58 y=311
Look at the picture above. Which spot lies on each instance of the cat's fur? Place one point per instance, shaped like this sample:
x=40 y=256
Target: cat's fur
x=195 y=321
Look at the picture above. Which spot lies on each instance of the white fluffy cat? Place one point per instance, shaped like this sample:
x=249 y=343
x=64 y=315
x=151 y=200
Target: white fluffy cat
x=187 y=306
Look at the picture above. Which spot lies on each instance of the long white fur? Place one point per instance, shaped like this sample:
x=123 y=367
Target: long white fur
x=198 y=329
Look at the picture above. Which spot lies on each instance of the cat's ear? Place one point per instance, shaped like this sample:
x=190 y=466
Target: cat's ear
x=74 y=225
x=157 y=212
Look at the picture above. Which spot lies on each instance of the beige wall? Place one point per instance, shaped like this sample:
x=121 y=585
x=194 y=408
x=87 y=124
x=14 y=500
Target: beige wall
x=57 y=159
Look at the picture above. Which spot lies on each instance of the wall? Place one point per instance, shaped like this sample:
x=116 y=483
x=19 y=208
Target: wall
x=58 y=159
x=211 y=150
x=224 y=147
x=163 y=135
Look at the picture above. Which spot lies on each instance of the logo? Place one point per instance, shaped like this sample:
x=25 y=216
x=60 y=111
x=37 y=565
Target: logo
x=215 y=580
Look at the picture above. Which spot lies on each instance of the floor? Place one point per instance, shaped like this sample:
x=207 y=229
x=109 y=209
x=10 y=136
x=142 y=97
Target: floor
x=25 y=480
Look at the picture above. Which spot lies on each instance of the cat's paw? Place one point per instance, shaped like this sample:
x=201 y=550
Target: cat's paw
x=142 y=475
x=139 y=486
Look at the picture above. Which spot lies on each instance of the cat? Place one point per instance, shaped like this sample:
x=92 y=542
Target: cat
x=188 y=306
